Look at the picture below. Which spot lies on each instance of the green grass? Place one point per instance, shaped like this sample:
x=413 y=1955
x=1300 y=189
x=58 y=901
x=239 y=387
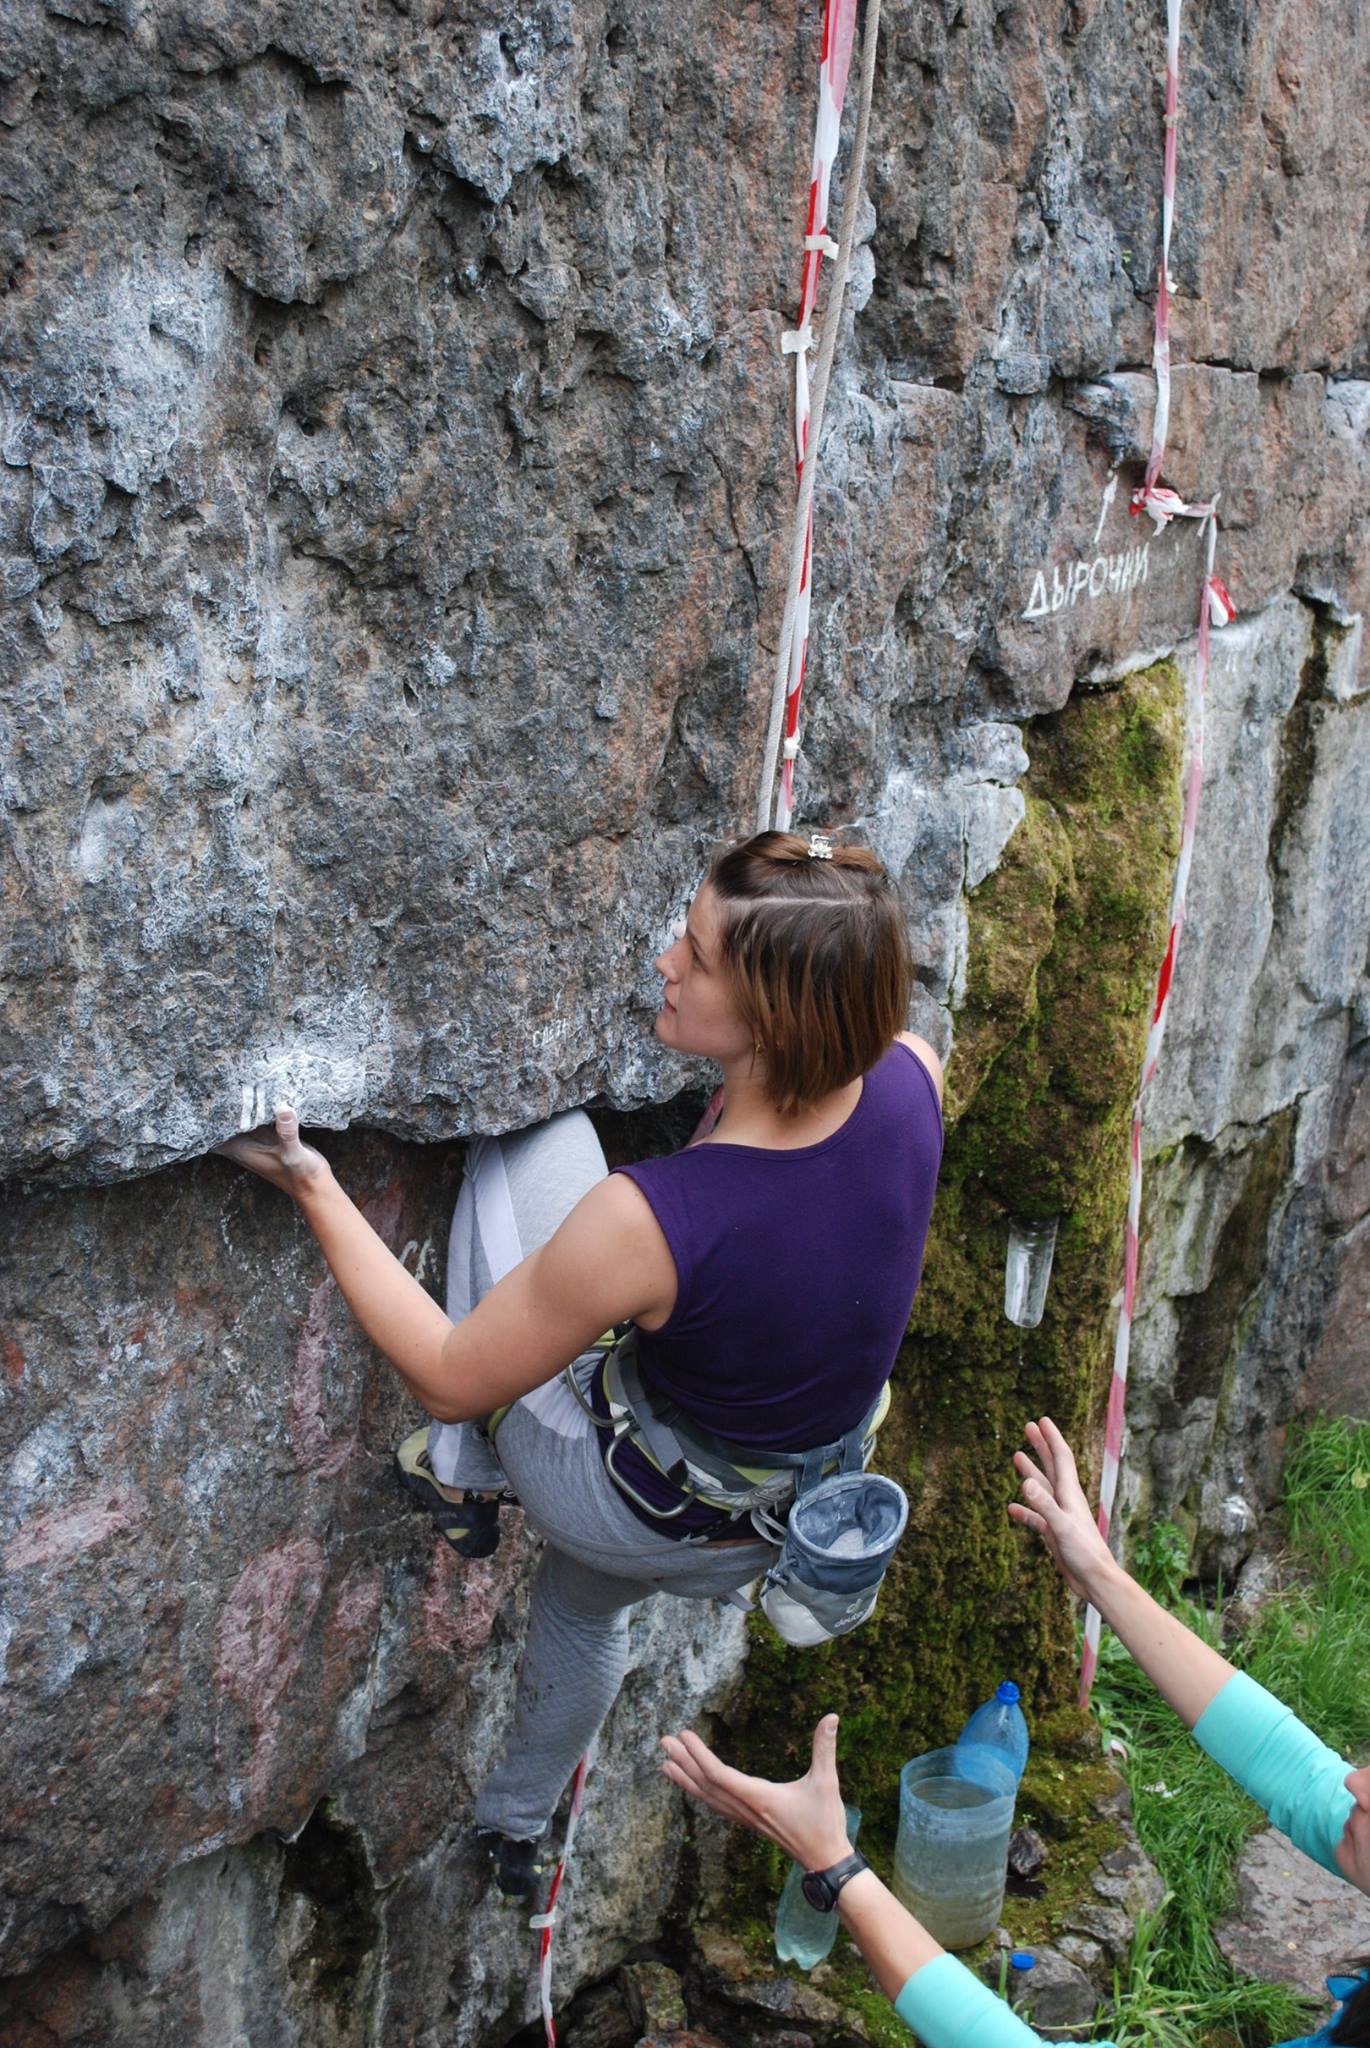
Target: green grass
x=1310 y=1645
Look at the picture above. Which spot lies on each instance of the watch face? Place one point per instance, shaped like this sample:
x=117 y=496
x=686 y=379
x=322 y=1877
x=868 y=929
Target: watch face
x=818 y=1891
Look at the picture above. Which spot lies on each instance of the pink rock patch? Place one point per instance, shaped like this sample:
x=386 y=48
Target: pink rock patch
x=262 y=1636
x=384 y=1209
x=358 y=1605
x=462 y=1598
x=309 y=1432
x=63 y=1533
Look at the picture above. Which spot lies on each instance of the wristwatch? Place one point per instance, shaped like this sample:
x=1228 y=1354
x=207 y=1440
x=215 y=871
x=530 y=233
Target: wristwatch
x=820 y=1887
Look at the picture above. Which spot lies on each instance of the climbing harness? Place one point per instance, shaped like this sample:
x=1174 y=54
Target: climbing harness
x=707 y=1470
x=835 y=1524
x=1216 y=609
x=839 y=26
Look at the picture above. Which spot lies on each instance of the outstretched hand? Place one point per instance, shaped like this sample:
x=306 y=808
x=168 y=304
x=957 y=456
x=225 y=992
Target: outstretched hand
x=1054 y=1506
x=806 y=1817
x=278 y=1154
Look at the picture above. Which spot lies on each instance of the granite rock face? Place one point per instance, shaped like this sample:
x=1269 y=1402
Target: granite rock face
x=394 y=482
x=258 y=1690
x=1055 y=1997
x=1257 y=1203
x=394 y=473
x=1295 y=1923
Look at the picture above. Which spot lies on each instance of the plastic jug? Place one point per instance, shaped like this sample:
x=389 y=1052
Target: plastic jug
x=951 y=1855
x=801 y=1935
x=999 y=1725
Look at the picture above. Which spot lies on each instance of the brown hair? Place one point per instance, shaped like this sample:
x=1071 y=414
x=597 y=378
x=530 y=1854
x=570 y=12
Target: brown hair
x=819 y=959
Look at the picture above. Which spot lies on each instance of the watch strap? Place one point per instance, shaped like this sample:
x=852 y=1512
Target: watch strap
x=835 y=1876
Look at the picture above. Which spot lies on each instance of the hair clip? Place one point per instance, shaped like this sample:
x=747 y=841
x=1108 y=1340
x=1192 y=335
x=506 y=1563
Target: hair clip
x=820 y=846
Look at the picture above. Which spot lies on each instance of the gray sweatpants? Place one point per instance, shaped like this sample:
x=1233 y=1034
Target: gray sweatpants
x=599 y=1560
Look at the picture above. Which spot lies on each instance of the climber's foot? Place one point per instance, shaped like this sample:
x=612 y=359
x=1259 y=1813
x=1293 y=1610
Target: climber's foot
x=519 y=1866
x=468 y=1521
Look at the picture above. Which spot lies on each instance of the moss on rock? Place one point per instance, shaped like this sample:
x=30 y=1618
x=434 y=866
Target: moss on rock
x=1064 y=940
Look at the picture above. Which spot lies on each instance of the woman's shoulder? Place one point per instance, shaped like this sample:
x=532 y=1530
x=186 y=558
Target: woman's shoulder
x=899 y=1117
x=926 y=1058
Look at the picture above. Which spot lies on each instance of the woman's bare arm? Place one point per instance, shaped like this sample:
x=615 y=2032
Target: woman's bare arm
x=607 y=1262
x=1183 y=1668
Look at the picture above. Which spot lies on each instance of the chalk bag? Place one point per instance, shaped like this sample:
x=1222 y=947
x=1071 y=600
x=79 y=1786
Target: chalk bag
x=839 y=1539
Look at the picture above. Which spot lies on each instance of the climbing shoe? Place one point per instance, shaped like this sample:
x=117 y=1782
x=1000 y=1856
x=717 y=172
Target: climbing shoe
x=468 y=1521
x=519 y=1866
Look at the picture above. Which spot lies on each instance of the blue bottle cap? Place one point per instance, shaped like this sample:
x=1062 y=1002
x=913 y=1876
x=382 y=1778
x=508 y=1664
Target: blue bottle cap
x=1022 y=1959
x=1008 y=1693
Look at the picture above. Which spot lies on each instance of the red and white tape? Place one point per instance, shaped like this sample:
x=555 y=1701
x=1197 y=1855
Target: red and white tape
x=839 y=28
x=544 y=1923
x=1151 y=496
x=1164 y=505
x=1216 y=610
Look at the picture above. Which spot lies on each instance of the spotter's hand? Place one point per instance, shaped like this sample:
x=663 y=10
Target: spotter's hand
x=1054 y=1506
x=279 y=1155
x=806 y=1818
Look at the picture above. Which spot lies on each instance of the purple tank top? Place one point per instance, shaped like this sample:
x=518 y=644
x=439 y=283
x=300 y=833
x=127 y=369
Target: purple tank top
x=795 y=1271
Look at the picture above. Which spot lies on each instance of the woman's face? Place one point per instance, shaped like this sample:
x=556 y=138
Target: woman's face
x=1353 y=1850
x=698 y=1011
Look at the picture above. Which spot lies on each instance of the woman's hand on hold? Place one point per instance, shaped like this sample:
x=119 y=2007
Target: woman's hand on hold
x=806 y=1818
x=279 y=1155
x=1054 y=1506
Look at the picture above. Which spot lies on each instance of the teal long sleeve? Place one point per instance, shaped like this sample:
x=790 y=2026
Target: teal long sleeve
x=1266 y=1748
x=949 y=2008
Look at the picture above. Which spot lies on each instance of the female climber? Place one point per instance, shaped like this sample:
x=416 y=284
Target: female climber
x=767 y=1272
x=1310 y=1793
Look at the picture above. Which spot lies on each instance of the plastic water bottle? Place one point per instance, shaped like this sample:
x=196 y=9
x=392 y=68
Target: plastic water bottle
x=951 y=1855
x=1027 y=1269
x=802 y=1935
x=999 y=1725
